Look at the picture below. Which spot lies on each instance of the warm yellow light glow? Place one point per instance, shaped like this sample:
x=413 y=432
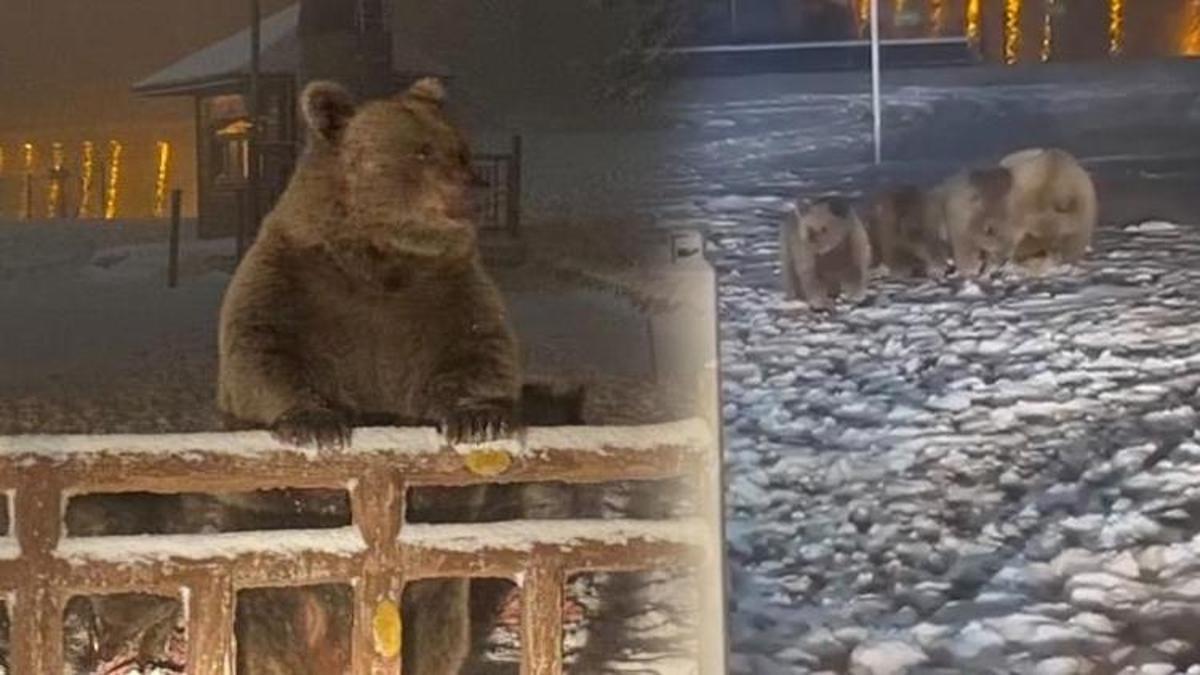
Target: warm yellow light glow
x=1116 y=27
x=160 y=180
x=974 y=22
x=87 y=178
x=1012 y=31
x=114 y=172
x=27 y=188
x=938 y=16
x=54 y=190
x=864 y=16
x=1048 y=31
x=1190 y=44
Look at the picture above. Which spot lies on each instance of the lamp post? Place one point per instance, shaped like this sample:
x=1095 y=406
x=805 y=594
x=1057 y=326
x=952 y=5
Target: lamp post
x=875 y=105
x=249 y=222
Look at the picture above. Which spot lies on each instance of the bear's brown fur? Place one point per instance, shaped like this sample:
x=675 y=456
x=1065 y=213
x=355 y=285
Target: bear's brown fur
x=971 y=209
x=824 y=252
x=1053 y=205
x=364 y=293
x=903 y=238
x=364 y=298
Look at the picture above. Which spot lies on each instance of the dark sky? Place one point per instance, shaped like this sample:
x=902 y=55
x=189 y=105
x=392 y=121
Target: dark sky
x=69 y=63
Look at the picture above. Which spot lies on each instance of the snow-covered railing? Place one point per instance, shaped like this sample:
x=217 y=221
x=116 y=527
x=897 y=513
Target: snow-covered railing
x=41 y=568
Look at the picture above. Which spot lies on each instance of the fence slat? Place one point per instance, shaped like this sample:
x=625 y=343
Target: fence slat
x=542 y=617
x=37 y=617
x=378 y=504
x=210 y=624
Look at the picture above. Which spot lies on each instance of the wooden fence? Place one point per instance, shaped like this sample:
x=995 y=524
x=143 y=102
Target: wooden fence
x=41 y=568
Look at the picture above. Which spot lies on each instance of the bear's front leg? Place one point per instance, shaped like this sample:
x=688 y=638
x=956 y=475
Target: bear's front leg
x=472 y=392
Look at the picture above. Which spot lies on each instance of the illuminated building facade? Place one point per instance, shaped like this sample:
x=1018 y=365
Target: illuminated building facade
x=309 y=40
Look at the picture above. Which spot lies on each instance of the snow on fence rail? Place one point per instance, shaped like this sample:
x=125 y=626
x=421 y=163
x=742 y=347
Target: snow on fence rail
x=41 y=568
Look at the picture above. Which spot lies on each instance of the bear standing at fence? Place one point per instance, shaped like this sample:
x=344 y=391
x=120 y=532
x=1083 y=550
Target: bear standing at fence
x=364 y=297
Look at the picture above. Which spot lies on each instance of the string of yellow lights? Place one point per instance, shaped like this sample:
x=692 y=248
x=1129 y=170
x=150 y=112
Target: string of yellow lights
x=160 y=179
x=937 y=17
x=54 y=191
x=1048 y=31
x=87 y=179
x=1116 y=27
x=1012 y=31
x=1190 y=42
x=114 y=171
x=27 y=190
x=974 y=21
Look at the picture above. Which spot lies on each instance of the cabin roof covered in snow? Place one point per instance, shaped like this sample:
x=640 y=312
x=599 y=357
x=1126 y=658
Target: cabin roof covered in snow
x=227 y=61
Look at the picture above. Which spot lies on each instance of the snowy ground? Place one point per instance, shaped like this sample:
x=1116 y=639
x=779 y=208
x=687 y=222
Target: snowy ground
x=1000 y=477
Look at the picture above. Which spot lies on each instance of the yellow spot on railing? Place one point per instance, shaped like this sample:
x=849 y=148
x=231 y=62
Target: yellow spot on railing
x=160 y=179
x=974 y=21
x=54 y=190
x=1190 y=44
x=114 y=176
x=87 y=178
x=1048 y=31
x=387 y=628
x=1116 y=27
x=488 y=462
x=1012 y=31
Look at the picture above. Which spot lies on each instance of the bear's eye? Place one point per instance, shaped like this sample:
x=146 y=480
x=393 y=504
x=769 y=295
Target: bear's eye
x=424 y=152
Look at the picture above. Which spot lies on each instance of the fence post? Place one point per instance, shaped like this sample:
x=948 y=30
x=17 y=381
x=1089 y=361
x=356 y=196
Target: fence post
x=514 y=186
x=173 y=250
x=37 y=616
x=542 y=617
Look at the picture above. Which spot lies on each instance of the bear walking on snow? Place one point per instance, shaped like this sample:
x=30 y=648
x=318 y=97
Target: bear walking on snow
x=824 y=253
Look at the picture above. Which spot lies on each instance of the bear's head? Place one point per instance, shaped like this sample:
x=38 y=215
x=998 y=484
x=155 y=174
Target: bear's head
x=825 y=222
x=402 y=171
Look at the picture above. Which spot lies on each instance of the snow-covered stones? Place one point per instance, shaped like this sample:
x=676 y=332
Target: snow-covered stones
x=891 y=657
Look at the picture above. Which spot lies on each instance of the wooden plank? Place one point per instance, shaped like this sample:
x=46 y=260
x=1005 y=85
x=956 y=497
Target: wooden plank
x=37 y=618
x=210 y=619
x=542 y=616
x=240 y=461
x=377 y=502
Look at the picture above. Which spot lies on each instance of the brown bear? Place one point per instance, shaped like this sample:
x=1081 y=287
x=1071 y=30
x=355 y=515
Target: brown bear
x=824 y=252
x=364 y=298
x=903 y=238
x=971 y=210
x=1053 y=205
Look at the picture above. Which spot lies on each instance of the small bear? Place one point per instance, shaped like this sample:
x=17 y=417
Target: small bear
x=825 y=251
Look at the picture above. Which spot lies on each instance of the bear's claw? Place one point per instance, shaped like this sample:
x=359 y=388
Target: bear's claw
x=307 y=427
x=478 y=424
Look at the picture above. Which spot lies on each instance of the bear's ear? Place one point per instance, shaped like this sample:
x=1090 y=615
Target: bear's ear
x=428 y=90
x=327 y=107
